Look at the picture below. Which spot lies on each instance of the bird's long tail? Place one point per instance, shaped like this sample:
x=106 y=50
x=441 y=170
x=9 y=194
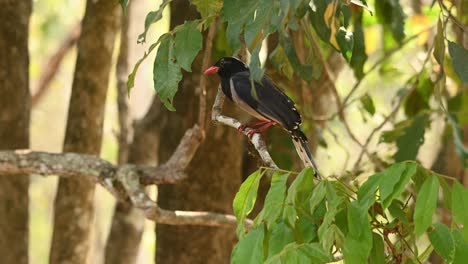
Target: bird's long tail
x=300 y=142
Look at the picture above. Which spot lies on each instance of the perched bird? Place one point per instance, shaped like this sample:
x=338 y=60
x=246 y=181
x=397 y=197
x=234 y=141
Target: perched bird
x=267 y=103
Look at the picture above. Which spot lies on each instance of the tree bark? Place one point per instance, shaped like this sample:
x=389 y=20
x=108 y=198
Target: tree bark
x=74 y=200
x=214 y=173
x=15 y=103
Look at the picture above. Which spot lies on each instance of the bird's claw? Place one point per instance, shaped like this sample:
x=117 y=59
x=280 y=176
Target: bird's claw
x=241 y=128
x=251 y=133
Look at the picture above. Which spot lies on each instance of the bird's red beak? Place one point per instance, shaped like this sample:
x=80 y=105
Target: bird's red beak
x=211 y=70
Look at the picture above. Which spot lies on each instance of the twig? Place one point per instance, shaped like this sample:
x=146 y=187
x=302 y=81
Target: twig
x=394 y=111
x=256 y=139
x=374 y=66
x=331 y=76
x=203 y=78
x=54 y=62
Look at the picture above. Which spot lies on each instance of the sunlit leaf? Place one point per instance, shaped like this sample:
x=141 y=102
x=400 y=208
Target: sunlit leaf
x=358 y=242
x=294 y=253
x=281 y=235
x=461 y=248
x=460 y=207
x=275 y=198
x=442 y=240
x=249 y=250
x=208 y=7
x=245 y=199
x=426 y=205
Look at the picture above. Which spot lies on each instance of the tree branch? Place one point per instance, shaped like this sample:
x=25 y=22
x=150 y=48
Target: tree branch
x=256 y=139
x=54 y=62
x=124 y=182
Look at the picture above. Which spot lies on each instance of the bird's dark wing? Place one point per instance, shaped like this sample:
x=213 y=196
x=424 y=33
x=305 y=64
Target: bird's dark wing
x=270 y=101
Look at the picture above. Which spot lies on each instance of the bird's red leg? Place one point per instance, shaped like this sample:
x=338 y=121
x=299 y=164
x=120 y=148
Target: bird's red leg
x=252 y=125
x=260 y=129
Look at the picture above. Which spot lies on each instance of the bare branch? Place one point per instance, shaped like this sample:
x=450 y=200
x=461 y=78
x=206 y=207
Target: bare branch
x=54 y=62
x=256 y=139
x=202 y=86
x=124 y=182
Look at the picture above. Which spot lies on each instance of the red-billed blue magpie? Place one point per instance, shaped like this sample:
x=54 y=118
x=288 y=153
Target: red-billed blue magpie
x=267 y=103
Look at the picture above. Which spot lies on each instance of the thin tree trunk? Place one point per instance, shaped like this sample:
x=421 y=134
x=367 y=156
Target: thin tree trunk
x=15 y=104
x=128 y=222
x=214 y=173
x=74 y=200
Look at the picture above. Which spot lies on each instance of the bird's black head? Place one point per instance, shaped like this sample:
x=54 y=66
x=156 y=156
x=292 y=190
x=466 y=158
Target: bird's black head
x=226 y=67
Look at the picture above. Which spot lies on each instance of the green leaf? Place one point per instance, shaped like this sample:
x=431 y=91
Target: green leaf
x=396 y=210
x=368 y=104
x=409 y=136
x=461 y=248
x=254 y=29
x=245 y=199
x=358 y=242
x=460 y=207
x=439 y=44
x=280 y=61
x=256 y=71
x=124 y=4
x=426 y=204
x=418 y=100
x=362 y=4
x=281 y=235
x=166 y=73
x=188 y=42
x=249 y=250
x=232 y=34
x=293 y=252
x=345 y=40
x=132 y=75
x=333 y=203
x=459 y=60
x=442 y=240
x=391 y=176
x=151 y=18
x=317 y=195
x=298 y=195
x=208 y=7
x=391 y=15
x=303 y=71
x=359 y=57
x=238 y=12
x=377 y=255
x=366 y=194
x=274 y=201
x=409 y=172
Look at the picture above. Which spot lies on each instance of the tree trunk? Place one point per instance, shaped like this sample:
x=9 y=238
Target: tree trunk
x=15 y=103
x=214 y=173
x=74 y=200
x=128 y=222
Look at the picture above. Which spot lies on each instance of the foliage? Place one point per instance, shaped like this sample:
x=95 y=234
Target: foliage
x=310 y=222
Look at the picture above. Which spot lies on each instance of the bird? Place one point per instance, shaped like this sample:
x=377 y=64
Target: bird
x=268 y=103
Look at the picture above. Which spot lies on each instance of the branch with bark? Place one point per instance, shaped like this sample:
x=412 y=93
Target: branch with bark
x=256 y=139
x=124 y=182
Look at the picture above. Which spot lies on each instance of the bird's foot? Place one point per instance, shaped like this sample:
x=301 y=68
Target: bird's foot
x=241 y=128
